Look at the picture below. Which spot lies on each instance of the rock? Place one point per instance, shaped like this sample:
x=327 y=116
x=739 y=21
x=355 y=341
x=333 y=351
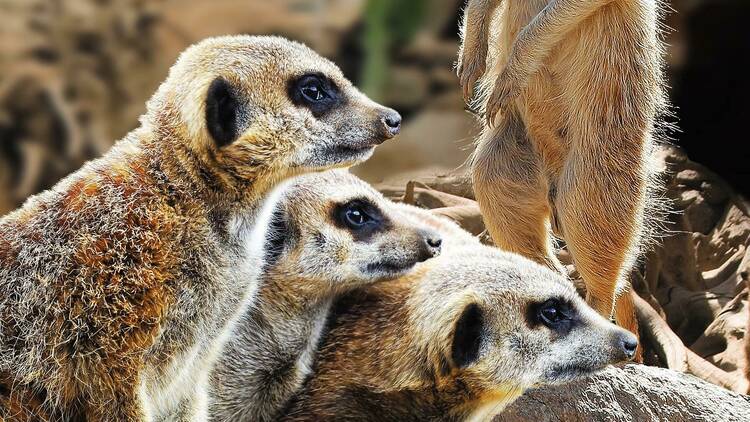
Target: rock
x=467 y=216
x=723 y=341
x=690 y=312
x=696 y=272
x=631 y=393
x=454 y=184
x=421 y=195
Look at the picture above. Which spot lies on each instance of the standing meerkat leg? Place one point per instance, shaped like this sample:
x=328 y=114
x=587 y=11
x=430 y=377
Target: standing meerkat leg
x=475 y=32
x=625 y=317
x=533 y=46
x=512 y=192
x=600 y=203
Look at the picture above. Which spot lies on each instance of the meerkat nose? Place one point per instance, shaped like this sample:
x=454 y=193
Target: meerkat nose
x=432 y=242
x=628 y=344
x=392 y=122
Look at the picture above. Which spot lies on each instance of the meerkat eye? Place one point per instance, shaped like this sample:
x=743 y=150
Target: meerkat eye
x=549 y=314
x=356 y=217
x=315 y=92
x=360 y=216
x=553 y=313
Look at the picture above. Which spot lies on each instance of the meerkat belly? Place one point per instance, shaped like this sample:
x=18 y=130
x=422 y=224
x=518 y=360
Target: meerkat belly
x=603 y=61
x=606 y=66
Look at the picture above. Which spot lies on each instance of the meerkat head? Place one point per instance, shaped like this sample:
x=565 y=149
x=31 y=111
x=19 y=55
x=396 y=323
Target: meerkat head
x=334 y=227
x=248 y=105
x=500 y=324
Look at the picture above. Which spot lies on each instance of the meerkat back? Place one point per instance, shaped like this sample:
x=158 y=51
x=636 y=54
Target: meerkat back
x=118 y=285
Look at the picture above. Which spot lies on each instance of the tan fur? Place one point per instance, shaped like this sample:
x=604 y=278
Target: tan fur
x=571 y=93
x=119 y=284
x=388 y=353
x=315 y=260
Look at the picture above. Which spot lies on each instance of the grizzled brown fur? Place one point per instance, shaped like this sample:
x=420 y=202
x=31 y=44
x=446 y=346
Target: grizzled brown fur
x=119 y=284
x=457 y=339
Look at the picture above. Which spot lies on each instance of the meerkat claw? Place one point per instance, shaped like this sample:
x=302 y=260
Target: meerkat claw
x=501 y=96
x=469 y=72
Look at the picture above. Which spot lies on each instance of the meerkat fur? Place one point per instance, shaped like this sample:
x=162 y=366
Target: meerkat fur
x=331 y=233
x=118 y=285
x=458 y=340
x=571 y=92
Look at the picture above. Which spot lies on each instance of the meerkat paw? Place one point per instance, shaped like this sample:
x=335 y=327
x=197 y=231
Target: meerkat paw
x=505 y=91
x=470 y=67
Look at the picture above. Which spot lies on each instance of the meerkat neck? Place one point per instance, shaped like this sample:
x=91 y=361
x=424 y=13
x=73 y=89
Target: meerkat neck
x=299 y=322
x=269 y=356
x=200 y=174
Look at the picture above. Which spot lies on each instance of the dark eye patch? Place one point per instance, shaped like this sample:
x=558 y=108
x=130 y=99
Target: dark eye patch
x=316 y=92
x=360 y=217
x=556 y=314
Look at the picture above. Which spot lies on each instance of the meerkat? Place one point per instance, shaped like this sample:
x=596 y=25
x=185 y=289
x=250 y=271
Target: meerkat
x=458 y=340
x=571 y=91
x=330 y=234
x=118 y=286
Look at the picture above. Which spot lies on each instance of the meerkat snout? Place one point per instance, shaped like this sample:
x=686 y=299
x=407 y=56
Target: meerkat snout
x=628 y=343
x=563 y=319
x=392 y=122
x=430 y=246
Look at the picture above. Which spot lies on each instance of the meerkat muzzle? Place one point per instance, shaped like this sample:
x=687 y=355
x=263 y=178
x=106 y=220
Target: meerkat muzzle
x=627 y=344
x=391 y=121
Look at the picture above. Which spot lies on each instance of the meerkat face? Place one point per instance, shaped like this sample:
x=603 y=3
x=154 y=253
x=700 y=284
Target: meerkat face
x=246 y=102
x=515 y=325
x=334 y=228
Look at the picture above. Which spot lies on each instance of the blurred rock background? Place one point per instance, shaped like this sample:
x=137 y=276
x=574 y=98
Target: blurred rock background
x=75 y=74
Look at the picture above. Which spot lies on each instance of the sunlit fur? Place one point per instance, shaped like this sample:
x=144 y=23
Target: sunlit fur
x=571 y=91
x=272 y=348
x=387 y=355
x=118 y=285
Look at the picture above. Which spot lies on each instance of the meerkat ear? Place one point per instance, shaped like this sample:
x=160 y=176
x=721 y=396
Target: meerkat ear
x=221 y=112
x=281 y=233
x=467 y=336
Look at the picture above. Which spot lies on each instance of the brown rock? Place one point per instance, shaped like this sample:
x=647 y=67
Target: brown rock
x=723 y=342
